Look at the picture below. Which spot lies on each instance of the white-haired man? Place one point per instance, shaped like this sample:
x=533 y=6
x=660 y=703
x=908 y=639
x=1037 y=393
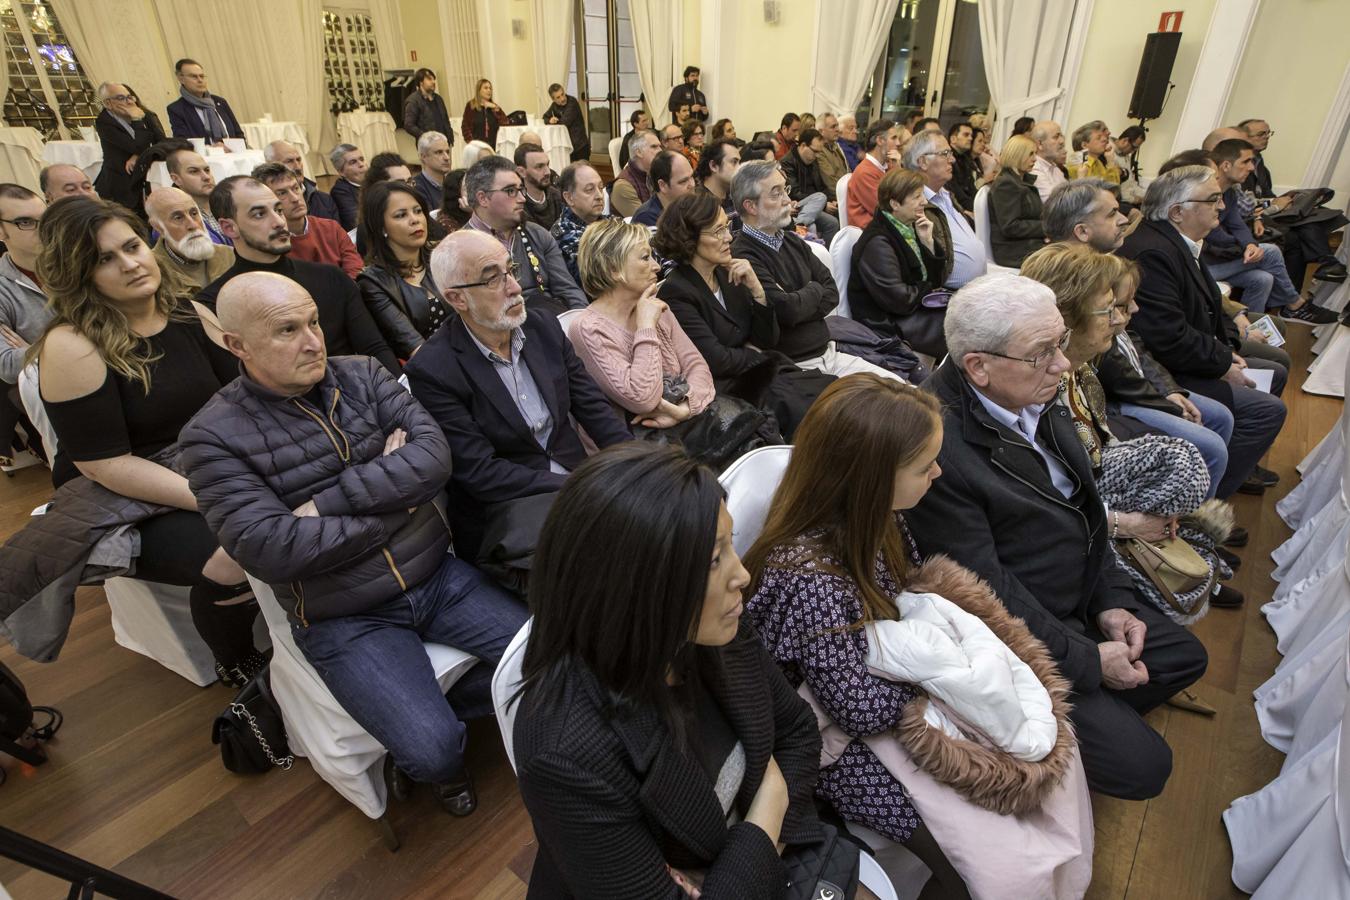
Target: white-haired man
x=184 y=248
x=1017 y=504
x=1050 y=157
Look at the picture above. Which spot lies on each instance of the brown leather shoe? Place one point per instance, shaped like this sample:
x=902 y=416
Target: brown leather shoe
x=1187 y=700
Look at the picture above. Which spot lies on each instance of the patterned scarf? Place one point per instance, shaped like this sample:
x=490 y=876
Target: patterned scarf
x=907 y=232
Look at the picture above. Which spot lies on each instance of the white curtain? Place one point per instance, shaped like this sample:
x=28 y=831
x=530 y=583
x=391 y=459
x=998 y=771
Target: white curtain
x=658 y=40
x=552 y=27
x=1033 y=50
x=261 y=56
x=101 y=34
x=850 y=35
x=388 y=24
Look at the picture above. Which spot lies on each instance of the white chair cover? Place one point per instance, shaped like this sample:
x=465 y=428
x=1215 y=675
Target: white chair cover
x=317 y=727
x=822 y=253
x=1320 y=484
x=750 y=482
x=982 y=230
x=566 y=316
x=615 y=146
x=841 y=265
x=841 y=197
x=1292 y=837
x=32 y=405
x=1298 y=686
x=1320 y=541
x=155 y=620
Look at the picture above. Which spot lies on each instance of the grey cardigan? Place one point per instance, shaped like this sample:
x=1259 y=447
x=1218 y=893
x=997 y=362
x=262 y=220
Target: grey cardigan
x=23 y=308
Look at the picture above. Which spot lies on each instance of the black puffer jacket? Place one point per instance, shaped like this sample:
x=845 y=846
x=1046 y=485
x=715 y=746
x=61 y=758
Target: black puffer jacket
x=252 y=456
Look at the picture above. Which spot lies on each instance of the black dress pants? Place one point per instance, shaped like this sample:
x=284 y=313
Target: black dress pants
x=1123 y=756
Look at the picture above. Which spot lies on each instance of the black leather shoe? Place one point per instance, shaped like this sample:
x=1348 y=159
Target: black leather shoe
x=1238 y=537
x=458 y=798
x=1227 y=598
x=1234 y=561
x=1265 y=476
x=1252 y=485
x=1331 y=272
x=400 y=785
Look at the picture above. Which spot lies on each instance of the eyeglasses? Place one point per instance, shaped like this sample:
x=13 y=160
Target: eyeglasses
x=1211 y=199
x=945 y=153
x=1265 y=134
x=121 y=98
x=720 y=234
x=1111 y=312
x=512 y=191
x=23 y=223
x=1042 y=359
x=495 y=281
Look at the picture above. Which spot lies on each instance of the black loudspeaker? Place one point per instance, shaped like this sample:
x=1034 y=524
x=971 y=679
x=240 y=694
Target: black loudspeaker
x=1155 y=73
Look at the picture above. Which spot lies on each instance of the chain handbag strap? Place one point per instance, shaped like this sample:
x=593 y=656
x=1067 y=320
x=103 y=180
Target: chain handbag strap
x=242 y=712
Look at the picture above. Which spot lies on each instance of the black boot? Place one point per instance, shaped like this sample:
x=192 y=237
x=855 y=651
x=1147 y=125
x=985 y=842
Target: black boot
x=457 y=797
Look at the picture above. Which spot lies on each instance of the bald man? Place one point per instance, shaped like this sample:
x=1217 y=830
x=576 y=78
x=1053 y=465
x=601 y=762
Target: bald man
x=184 y=248
x=1050 y=157
x=345 y=530
x=318 y=202
x=63 y=180
x=505 y=385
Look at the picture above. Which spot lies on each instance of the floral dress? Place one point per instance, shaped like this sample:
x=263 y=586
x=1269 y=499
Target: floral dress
x=801 y=609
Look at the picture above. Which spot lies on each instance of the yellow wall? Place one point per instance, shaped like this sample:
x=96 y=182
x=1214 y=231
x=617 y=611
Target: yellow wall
x=1298 y=51
x=771 y=65
x=1111 y=60
x=421 y=32
x=512 y=58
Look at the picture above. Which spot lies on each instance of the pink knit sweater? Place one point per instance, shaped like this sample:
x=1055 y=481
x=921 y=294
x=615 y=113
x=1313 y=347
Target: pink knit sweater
x=629 y=365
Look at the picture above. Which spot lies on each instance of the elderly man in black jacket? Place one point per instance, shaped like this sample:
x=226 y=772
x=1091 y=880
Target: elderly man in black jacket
x=1181 y=319
x=319 y=475
x=1017 y=504
x=505 y=387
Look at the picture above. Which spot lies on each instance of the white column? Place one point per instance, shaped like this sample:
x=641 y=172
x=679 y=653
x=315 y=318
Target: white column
x=1215 y=71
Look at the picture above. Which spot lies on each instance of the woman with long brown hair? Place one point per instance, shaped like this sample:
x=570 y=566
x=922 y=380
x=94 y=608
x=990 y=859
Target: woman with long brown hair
x=832 y=571
x=482 y=116
x=122 y=368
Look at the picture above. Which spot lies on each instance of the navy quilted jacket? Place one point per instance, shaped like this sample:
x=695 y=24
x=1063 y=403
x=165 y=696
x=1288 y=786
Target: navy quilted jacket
x=252 y=456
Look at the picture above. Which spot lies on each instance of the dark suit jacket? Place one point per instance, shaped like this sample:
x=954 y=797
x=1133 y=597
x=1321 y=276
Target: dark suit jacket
x=1180 y=316
x=996 y=512
x=185 y=123
x=614 y=798
x=345 y=196
x=320 y=204
x=113 y=182
x=496 y=456
x=720 y=334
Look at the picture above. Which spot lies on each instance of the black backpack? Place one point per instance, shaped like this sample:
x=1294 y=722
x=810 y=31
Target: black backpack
x=18 y=737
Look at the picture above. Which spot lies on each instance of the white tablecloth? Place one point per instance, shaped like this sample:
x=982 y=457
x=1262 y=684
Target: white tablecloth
x=373 y=132
x=260 y=134
x=20 y=155
x=85 y=155
x=223 y=165
x=557 y=142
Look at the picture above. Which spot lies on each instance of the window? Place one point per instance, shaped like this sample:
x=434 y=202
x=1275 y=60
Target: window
x=603 y=50
x=351 y=62
x=48 y=89
x=933 y=63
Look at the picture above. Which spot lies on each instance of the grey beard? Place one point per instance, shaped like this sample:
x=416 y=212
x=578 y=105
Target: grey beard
x=196 y=247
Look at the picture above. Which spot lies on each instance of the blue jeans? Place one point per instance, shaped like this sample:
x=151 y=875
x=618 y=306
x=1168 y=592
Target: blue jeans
x=376 y=667
x=1210 y=437
x=1261 y=282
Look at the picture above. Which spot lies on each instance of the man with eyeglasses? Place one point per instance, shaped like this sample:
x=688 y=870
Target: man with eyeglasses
x=583 y=197
x=317 y=202
x=503 y=381
x=197 y=113
x=1182 y=323
x=125 y=131
x=1307 y=242
x=1018 y=505
x=24 y=313
x=496 y=196
x=929 y=155
x=254 y=219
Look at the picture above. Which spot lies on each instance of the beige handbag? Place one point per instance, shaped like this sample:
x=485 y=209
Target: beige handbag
x=1173 y=566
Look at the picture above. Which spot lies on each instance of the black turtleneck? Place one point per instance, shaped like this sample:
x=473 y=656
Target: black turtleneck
x=347 y=326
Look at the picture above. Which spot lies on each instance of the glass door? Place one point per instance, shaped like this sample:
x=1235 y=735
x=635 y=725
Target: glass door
x=603 y=73
x=932 y=64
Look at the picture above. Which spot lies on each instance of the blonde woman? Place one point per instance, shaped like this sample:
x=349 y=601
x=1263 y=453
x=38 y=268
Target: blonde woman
x=122 y=370
x=482 y=117
x=1015 y=205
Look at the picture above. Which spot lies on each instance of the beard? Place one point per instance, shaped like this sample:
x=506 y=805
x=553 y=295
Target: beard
x=278 y=243
x=502 y=321
x=196 y=247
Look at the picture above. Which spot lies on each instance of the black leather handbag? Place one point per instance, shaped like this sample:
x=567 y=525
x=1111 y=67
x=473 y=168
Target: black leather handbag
x=827 y=870
x=251 y=734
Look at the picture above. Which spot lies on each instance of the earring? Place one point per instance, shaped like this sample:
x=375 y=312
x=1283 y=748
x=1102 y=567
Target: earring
x=386 y=234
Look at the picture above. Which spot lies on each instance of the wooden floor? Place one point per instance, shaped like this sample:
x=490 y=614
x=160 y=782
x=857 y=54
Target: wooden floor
x=134 y=783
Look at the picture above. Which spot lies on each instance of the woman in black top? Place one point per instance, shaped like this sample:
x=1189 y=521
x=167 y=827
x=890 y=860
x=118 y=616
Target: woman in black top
x=1015 y=229
x=482 y=116
x=648 y=713
x=720 y=304
x=397 y=285
x=121 y=370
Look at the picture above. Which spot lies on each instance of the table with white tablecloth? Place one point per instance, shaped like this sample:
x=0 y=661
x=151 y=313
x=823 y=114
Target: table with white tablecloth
x=84 y=155
x=223 y=165
x=557 y=142
x=260 y=134
x=20 y=155
x=373 y=132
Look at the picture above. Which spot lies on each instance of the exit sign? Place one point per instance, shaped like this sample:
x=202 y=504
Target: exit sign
x=1170 y=21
